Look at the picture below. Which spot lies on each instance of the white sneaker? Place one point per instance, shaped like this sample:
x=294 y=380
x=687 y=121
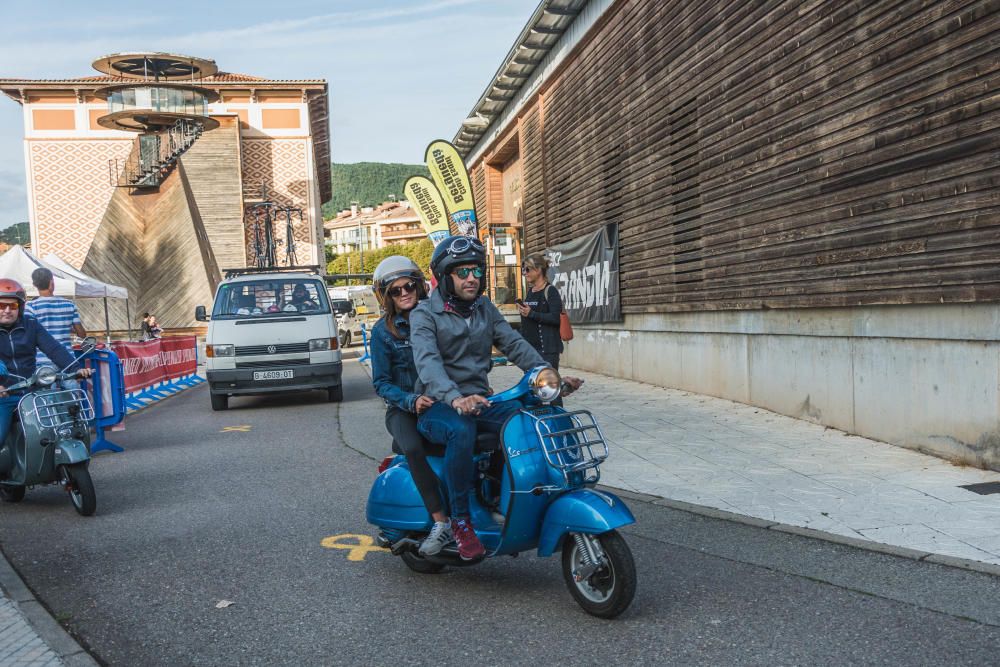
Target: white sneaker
x=436 y=540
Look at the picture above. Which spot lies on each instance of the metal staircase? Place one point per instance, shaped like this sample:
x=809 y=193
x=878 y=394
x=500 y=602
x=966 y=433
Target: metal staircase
x=153 y=156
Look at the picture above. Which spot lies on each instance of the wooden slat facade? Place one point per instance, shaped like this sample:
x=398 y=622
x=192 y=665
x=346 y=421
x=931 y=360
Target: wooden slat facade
x=775 y=154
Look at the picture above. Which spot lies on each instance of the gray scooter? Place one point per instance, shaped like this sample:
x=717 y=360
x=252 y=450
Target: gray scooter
x=48 y=440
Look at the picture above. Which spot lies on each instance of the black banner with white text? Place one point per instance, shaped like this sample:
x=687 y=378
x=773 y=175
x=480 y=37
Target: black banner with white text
x=585 y=271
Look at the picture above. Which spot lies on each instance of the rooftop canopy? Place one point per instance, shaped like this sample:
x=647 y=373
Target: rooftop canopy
x=155 y=66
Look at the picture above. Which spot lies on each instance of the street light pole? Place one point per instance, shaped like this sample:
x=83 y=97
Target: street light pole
x=361 y=249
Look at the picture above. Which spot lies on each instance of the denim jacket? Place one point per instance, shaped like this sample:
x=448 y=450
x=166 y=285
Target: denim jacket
x=393 y=372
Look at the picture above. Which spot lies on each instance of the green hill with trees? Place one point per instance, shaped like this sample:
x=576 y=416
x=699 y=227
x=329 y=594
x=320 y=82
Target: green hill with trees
x=16 y=233
x=368 y=183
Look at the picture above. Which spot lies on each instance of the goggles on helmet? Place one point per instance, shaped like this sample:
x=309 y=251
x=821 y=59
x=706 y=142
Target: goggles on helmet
x=462 y=244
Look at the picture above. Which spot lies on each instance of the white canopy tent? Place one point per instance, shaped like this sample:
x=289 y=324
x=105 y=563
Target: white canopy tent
x=111 y=291
x=18 y=263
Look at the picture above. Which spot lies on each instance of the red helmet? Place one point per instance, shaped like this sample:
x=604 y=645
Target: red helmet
x=11 y=289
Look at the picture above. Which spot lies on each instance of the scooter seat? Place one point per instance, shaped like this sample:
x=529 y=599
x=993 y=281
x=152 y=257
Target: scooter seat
x=485 y=442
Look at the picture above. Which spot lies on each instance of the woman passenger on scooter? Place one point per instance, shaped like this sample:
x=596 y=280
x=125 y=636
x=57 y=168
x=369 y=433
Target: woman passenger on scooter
x=399 y=285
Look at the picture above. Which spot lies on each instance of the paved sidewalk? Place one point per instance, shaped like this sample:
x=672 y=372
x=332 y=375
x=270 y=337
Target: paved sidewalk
x=20 y=645
x=739 y=462
x=29 y=636
x=784 y=472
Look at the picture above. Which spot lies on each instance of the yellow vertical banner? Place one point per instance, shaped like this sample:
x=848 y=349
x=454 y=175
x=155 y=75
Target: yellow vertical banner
x=426 y=199
x=452 y=180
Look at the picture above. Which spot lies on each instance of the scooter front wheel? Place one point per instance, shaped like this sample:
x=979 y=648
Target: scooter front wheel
x=80 y=487
x=604 y=587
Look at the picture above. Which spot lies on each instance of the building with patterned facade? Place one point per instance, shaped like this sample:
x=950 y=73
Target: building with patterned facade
x=272 y=136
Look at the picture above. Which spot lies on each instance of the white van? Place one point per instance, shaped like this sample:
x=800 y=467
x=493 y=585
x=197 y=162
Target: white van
x=353 y=306
x=271 y=331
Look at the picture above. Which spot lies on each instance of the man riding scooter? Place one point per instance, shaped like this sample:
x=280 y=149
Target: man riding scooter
x=20 y=337
x=452 y=336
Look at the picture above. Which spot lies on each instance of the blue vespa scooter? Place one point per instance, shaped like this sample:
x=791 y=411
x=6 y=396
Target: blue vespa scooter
x=546 y=460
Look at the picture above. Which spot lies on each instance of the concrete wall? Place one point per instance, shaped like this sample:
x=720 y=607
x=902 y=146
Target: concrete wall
x=922 y=377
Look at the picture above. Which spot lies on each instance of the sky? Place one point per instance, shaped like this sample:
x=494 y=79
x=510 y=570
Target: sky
x=401 y=73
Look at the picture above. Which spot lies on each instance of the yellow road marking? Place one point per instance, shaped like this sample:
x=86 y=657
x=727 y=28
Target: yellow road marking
x=357 y=550
x=245 y=428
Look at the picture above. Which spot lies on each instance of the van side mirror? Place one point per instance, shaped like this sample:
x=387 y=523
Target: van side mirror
x=353 y=313
x=199 y=314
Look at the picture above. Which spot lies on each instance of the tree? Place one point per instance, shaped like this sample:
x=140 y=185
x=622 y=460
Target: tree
x=16 y=233
x=419 y=251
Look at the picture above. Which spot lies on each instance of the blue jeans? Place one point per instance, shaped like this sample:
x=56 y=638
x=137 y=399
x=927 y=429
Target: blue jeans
x=441 y=424
x=7 y=407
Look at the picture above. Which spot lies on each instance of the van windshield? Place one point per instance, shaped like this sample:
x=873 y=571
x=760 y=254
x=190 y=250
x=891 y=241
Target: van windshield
x=270 y=297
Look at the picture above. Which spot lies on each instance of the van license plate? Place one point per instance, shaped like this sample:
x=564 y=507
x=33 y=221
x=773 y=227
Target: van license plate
x=272 y=375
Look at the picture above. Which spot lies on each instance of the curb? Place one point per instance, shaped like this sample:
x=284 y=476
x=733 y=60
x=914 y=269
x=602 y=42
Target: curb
x=811 y=533
x=41 y=621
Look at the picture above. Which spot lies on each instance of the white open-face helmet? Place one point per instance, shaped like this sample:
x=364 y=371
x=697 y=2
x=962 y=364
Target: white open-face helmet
x=393 y=268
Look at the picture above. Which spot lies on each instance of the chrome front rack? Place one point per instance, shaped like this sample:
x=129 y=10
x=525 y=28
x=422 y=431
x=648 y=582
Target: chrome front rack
x=53 y=408
x=572 y=443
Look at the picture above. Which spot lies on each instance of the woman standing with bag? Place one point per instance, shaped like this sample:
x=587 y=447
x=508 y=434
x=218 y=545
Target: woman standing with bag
x=540 y=310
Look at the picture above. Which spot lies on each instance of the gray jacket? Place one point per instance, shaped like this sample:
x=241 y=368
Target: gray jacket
x=453 y=355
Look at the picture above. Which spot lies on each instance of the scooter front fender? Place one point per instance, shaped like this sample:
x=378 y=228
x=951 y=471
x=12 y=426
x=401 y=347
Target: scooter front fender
x=581 y=511
x=69 y=452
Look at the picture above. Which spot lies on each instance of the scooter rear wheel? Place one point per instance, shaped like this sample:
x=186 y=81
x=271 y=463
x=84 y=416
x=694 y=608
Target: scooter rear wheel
x=609 y=591
x=419 y=564
x=81 y=488
x=11 y=494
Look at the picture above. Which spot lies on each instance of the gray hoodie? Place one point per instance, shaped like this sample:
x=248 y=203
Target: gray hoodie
x=453 y=354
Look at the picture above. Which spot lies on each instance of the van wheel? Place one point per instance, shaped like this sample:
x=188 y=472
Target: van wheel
x=345 y=340
x=219 y=402
x=335 y=394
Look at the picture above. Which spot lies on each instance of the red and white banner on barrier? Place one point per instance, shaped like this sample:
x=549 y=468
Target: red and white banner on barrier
x=153 y=361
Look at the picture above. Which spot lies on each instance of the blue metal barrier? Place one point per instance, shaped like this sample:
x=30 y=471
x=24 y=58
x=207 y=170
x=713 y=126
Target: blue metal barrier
x=153 y=393
x=364 y=342
x=95 y=359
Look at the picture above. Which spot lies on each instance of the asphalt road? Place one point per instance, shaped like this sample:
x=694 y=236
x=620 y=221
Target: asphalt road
x=204 y=507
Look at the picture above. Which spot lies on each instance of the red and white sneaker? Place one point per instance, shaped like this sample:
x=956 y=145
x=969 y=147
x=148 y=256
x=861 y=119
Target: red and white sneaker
x=469 y=546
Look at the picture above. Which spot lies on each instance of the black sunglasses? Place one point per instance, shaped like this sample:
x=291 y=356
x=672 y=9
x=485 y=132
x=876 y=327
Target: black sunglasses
x=400 y=290
x=463 y=273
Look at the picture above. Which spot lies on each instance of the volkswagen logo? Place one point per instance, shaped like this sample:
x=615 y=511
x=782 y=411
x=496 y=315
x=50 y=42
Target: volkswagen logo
x=271 y=349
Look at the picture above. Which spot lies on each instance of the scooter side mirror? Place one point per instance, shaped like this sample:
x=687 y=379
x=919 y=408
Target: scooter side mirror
x=88 y=344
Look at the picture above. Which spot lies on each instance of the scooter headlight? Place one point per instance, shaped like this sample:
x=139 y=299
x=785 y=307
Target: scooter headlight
x=45 y=375
x=546 y=385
